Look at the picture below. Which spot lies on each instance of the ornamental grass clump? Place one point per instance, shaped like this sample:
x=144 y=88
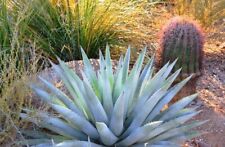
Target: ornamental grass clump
x=18 y=61
x=60 y=27
x=113 y=108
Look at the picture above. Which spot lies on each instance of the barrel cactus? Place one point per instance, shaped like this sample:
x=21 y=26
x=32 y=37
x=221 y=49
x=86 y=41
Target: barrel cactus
x=182 y=39
x=112 y=108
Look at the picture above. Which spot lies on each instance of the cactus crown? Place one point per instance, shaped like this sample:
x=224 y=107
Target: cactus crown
x=182 y=38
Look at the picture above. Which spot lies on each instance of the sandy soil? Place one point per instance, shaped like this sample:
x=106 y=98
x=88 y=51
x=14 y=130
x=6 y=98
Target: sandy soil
x=211 y=89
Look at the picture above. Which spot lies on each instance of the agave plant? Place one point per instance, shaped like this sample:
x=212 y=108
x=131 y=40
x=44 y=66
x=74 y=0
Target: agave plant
x=113 y=108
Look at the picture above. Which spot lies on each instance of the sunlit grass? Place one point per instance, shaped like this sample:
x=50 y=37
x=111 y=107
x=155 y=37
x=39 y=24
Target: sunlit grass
x=18 y=60
x=60 y=28
x=206 y=11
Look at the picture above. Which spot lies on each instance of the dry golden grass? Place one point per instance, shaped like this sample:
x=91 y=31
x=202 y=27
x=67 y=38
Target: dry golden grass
x=138 y=29
x=14 y=92
x=206 y=11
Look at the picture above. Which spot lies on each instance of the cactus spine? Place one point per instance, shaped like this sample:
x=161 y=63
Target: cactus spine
x=183 y=39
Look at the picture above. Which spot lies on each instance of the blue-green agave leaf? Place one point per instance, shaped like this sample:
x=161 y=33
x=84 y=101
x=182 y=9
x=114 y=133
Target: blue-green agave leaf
x=78 y=121
x=118 y=85
x=180 y=113
x=126 y=65
x=94 y=103
x=77 y=143
x=70 y=143
x=144 y=77
x=149 y=90
x=77 y=87
x=102 y=63
x=138 y=64
x=106 y=135
x=37 y=142
x=62 y=96
x=90 y=73
x=109 y=66
x=139 y=133
x=107 y=96
x=139 y=118
x=65 y=80
x=56 y=125
x=179 y=131
x=167 y=126
x=168 y=96
x=176 y=107
x=117 y=119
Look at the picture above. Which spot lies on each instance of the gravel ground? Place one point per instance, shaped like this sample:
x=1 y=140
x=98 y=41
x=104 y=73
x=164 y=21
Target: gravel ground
x=211 y=89
x=211 y=86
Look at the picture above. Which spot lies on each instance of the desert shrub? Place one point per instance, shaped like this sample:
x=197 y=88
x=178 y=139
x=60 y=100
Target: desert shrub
x=16 y=71
x=11 y=33
x=61 y=27
x=18 y=60
x=136 y=28
x=14 y=94
x=206 y=11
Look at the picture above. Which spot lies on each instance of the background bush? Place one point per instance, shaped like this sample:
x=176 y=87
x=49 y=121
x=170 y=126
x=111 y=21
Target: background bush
x=206 y=11
x=18 y=60
x=61 y=27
